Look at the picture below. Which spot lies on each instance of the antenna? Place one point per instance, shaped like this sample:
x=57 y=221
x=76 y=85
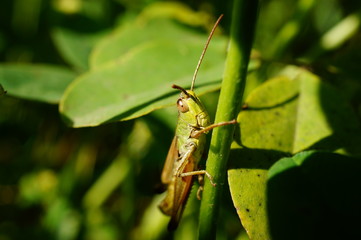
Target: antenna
x=204 y=51
x=180 y=88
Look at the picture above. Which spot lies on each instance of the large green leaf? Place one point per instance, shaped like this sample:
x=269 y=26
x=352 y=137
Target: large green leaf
x=315 y=195
x=139 y=84
x=297 y=111
x=139 y=80
x=285 y=115
x=133 y=68
x=35 y=82
x=132 y=35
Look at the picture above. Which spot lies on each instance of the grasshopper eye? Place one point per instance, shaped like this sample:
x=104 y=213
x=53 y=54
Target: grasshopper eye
x=182 y=106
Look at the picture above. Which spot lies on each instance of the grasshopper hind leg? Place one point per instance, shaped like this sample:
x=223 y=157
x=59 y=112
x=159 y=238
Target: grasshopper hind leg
x=185 y=160
x=199 y=172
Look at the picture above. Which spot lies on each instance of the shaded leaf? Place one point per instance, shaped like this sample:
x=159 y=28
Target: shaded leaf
x=326 y=14
x=335 y=37
x=75 y=47
x=35 y=82
x=2 y=90
x=313 y=192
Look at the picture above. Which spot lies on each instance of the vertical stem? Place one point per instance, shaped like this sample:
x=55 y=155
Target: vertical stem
x=244 y=18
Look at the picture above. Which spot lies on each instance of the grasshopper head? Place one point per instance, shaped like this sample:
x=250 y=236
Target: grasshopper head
x=189 y=105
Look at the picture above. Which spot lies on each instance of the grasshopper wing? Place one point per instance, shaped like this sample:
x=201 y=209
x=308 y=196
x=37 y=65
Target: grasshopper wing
x=167 y=173
x=168 y=178
x=182 y=187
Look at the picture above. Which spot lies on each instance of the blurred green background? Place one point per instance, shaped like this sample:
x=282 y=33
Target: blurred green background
x=59 y=182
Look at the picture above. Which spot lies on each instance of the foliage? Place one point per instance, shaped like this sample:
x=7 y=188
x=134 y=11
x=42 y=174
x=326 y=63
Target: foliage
x=85 y=123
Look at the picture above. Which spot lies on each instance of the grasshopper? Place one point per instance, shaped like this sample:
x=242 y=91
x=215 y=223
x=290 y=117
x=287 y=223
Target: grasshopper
x=186 y=149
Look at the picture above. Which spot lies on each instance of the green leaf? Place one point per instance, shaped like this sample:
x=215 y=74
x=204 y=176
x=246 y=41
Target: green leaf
x=315 y=195
x=298 y=111
x=44 y=83
x=2 y=90
x=248 y=197
x=247 y=178
x=285 y=115
x=267 y=121
x=124 y=39
x=75 y=47
x=140 y=81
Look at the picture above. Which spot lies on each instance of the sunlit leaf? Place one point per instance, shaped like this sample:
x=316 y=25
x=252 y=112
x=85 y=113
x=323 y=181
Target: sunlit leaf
x=285 y=115
x=247 y=179
x=249 y=199
x=176 y=10
x=296 y=111
x=140 y=81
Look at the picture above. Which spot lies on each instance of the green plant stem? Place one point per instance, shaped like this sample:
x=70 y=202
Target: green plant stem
x=243 y=24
